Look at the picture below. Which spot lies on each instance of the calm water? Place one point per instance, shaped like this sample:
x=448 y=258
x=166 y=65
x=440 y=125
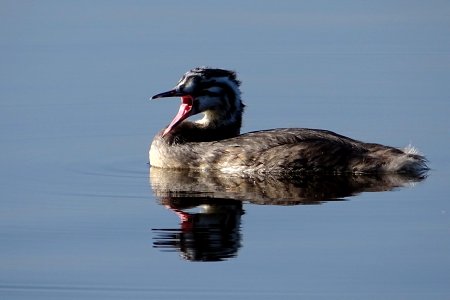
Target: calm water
x=81 y=217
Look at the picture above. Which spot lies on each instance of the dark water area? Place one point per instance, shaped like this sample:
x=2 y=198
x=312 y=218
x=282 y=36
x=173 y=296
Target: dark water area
x=82 y=216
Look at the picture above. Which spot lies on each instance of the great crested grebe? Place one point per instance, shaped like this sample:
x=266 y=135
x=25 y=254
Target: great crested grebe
x=215 y=143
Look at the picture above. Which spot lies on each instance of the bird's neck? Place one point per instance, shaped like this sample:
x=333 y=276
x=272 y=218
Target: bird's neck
x=212 y=127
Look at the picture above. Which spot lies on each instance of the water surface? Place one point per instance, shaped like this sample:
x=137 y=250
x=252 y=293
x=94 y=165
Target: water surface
x=80 y=217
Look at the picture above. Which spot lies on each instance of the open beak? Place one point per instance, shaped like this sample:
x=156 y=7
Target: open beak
x=185 y=108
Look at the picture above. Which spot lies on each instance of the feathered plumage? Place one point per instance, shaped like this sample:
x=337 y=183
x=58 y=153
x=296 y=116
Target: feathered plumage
x=215 y=142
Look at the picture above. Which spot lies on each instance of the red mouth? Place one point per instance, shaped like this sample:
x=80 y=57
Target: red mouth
x=184 y=112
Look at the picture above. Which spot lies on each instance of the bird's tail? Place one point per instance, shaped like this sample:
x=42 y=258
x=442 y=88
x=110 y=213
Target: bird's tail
x=409 y=161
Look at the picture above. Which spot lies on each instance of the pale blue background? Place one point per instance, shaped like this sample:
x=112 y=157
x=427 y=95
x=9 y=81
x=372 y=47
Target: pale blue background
x=76 y=209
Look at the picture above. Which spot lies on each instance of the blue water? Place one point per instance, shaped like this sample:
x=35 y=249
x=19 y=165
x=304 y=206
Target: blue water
x=79 y=217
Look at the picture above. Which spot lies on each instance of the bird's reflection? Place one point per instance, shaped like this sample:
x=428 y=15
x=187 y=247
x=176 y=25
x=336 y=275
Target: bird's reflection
x=209 y=233
x=210 y=205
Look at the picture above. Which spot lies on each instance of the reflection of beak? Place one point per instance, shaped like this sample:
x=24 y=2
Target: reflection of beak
x=171 y=93
x=185 y=107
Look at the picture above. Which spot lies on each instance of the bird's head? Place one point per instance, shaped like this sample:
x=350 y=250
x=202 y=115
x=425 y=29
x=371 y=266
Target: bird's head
x=214 y=92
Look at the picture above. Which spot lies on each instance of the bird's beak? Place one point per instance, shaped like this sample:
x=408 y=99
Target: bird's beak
x=185 y=107
x=171 y=93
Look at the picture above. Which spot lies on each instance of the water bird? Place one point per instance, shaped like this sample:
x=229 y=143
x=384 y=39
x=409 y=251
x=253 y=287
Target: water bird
x=215 y=142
